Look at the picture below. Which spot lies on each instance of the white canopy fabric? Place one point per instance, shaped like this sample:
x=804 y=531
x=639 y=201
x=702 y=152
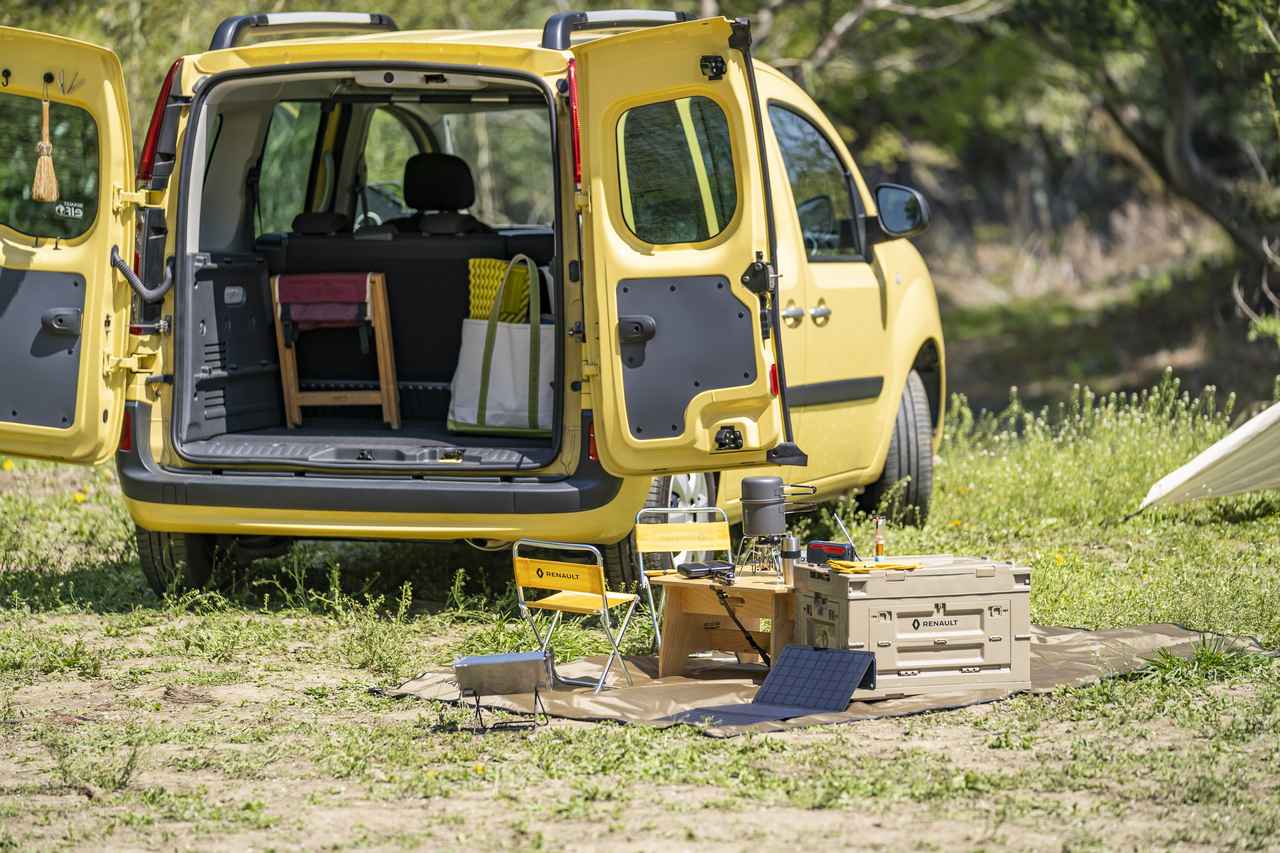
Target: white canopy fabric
x=1247 y=460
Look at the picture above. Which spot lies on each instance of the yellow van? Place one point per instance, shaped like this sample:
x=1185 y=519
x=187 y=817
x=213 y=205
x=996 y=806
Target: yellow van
x=717 y=291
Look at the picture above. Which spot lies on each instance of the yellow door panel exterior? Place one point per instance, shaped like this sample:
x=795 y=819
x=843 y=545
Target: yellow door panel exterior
x=620 y=77
x=61 y=409
x=837 y=398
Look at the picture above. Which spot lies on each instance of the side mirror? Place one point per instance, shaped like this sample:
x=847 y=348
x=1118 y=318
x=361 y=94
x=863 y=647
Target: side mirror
x=903 y=212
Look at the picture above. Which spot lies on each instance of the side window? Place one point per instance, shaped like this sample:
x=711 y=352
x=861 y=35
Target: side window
x=74 y=137
x=822 y=189
x=387 y=147
x=286 y=165
x=676 y=170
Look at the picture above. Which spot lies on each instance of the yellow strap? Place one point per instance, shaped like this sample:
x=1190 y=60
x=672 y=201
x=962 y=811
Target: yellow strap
x=851 y=567
x=624 y=180
x=699 y=165
x=682 y=536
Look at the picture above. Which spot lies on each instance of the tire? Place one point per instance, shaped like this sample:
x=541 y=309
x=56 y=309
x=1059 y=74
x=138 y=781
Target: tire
x=678 y=490
x=176 y=562
x=910 y=458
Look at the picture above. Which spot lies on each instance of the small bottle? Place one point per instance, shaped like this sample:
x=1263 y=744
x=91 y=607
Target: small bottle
x=880 y=545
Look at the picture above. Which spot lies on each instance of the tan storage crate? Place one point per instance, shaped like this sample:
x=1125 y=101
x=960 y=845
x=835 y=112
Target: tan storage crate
x=956 y=622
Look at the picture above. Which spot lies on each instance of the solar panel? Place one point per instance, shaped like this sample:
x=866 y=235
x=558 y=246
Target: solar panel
x=822 y=679
x=803 y=680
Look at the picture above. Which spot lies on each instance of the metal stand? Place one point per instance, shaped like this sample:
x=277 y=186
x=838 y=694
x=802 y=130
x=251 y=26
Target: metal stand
x=531 y=720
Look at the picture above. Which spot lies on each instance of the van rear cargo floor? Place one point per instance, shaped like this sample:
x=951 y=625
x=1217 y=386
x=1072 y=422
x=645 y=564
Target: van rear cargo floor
x=332 y=441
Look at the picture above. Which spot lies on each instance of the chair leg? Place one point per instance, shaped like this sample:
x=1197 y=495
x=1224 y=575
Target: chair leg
x=653 y=616
x=385 y=352
x=615 y=643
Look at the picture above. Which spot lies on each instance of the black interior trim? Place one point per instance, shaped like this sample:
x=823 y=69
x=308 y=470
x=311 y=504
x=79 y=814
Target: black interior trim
x=837 y=391
x=183 y=354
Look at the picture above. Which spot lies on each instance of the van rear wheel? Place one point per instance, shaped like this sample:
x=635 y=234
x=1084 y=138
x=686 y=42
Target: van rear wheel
x=676 y=491
x=176 y=562
x=909 y=463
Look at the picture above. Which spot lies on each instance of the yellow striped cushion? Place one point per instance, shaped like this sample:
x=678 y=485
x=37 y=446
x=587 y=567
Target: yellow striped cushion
x=485 y=278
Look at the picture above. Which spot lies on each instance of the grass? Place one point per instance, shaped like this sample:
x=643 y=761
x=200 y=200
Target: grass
x=242 y=716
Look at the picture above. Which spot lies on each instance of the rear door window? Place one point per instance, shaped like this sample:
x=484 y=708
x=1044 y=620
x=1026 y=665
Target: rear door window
x=74 y=136
x=508 y=150
x=676 y=171
x=821 y=186
x=286 y=165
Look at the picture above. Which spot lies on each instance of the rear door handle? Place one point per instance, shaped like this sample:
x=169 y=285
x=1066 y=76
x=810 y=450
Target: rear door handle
x=793 y=312
x=636 y=328
x=822 y=312
x=61 y=321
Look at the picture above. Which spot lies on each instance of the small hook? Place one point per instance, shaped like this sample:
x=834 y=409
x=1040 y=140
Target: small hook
x=48 y=79
x=4 y=77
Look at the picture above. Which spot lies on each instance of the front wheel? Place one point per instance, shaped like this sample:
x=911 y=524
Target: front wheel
x=905 y=487
x=676 y=491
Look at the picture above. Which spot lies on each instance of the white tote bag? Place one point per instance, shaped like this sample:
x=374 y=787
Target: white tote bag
x=503 y=383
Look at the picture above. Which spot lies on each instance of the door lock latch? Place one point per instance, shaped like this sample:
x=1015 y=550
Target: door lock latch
x=728 y=438
x=713 y=67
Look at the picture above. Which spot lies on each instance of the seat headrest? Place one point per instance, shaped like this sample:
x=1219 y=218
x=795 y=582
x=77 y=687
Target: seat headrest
x=438 y=182
x=320 y=223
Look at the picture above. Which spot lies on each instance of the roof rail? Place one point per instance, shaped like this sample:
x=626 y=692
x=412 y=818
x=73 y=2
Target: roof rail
x=233 y=30
x=561 y=26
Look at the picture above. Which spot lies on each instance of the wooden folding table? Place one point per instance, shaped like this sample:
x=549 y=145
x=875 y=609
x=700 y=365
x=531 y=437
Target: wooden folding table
x=694 y=620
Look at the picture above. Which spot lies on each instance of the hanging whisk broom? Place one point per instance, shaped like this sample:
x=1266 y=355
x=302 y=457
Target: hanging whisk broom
x=45 y=186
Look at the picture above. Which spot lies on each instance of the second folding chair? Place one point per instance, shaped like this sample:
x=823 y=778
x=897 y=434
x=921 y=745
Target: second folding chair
x=656 y=533
x=576 y=588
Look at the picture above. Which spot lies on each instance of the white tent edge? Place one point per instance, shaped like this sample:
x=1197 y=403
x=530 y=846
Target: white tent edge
x=1246 y=460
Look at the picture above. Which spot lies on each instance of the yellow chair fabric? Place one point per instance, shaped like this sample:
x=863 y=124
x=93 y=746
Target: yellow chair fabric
x=584 y=603
x=533 y=573
x=683 y=536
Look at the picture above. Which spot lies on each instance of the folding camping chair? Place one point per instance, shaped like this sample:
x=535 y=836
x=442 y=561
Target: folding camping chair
x=334 y=301
x=673 y=537
x=579 y=589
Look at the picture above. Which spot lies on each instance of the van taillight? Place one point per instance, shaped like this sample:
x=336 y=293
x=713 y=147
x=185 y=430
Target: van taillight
x=592 y=452
x=147 y=162
x=126 y=432
x=773 y=379
x=575 y=126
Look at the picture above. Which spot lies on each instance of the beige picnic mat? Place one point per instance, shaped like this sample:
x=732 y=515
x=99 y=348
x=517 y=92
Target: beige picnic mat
x=1060 y=657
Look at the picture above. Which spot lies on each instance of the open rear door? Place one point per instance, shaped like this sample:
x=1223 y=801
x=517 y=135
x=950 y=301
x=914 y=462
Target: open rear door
x=677 y=226
x=63 y=323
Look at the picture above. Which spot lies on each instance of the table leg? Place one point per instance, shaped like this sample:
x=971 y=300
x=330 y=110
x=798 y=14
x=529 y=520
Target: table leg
x=677 y=635
x=782 y=625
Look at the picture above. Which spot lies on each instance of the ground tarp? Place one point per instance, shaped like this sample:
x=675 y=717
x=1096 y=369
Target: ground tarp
x=1247 y=460
x=1060 y=657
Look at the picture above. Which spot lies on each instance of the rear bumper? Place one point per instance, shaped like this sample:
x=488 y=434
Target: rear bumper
x=590 y=501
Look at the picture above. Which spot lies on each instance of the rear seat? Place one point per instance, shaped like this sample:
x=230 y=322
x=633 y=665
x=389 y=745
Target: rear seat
x=426 y=275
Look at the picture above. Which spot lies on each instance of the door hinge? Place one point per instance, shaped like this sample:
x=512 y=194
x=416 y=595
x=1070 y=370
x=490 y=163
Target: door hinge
x=139 y=363
x=120 y=198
